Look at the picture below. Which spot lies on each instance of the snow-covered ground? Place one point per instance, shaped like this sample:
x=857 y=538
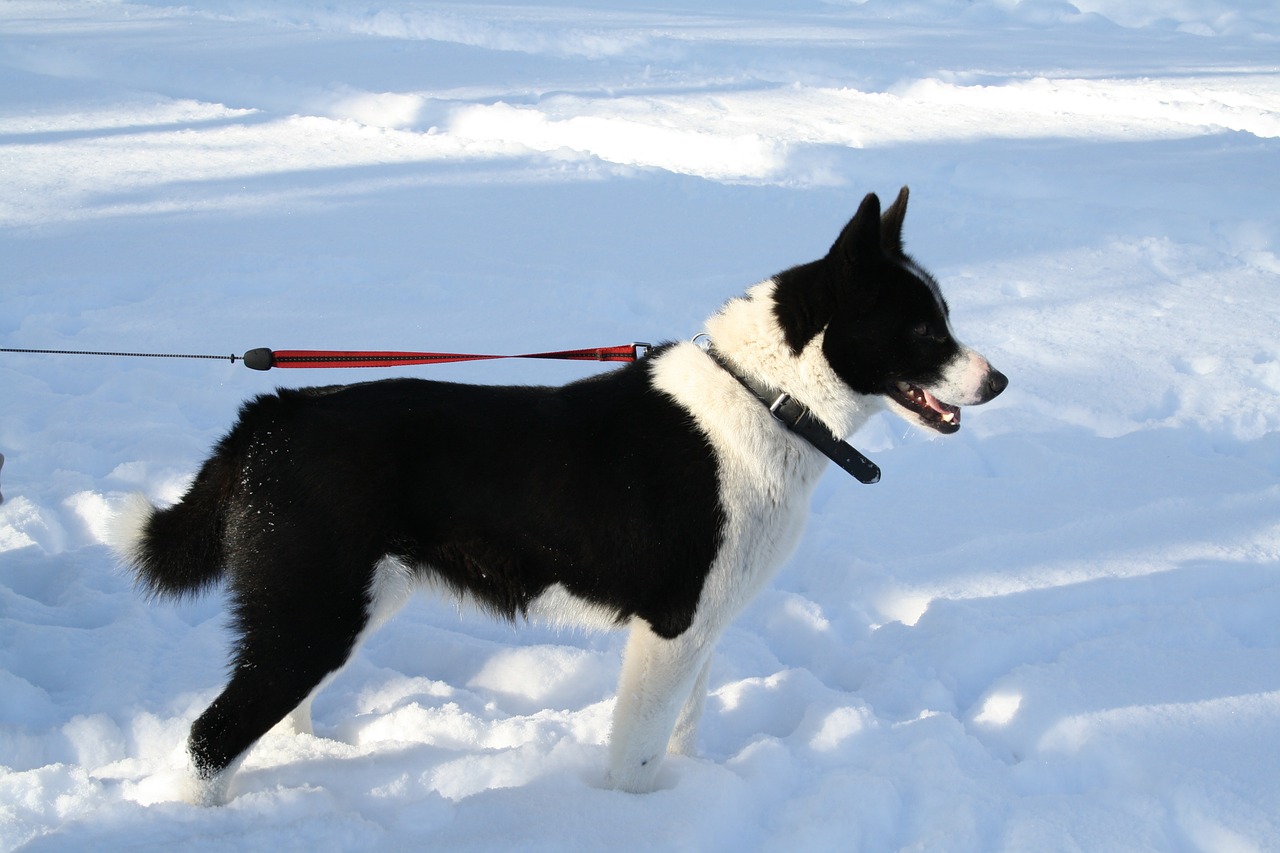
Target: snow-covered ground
x=1057 y=630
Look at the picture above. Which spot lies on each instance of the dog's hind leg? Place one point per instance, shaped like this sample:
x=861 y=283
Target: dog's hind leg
x=390 y=588
x=290 y=640
x=658 y=678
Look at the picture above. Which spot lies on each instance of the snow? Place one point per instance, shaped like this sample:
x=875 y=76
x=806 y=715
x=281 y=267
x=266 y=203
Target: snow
x=1055 y=630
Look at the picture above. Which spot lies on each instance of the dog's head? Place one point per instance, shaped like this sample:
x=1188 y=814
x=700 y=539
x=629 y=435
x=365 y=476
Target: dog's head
x=886 y=326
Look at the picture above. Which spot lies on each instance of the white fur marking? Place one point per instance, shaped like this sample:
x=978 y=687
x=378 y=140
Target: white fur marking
x=766 y=478
x=963 y=379
x=657 y=675
x=126 y=526
x=559 y=608
x=392 y=585
x=684 y=738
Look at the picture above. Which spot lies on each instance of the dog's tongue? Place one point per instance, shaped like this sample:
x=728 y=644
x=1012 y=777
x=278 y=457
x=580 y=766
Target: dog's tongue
x=941 y=407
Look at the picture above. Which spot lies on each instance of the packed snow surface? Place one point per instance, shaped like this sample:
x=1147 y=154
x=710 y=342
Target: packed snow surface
x=1058 y=629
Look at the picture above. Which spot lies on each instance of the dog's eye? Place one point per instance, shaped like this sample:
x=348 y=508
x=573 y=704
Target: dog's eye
x=929 y=331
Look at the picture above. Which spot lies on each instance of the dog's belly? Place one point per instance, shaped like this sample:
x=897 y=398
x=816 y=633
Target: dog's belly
x=394 y=582
x=558 y=607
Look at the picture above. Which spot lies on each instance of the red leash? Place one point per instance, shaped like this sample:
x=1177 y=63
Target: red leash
x=265 y=359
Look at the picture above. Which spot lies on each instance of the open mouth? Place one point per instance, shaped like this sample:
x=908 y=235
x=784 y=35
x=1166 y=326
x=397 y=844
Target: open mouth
x=928 y=409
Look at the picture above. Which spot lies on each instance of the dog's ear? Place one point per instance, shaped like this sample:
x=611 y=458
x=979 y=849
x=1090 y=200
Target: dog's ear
x=860 y=239
x=807 y=296
x=891 y=224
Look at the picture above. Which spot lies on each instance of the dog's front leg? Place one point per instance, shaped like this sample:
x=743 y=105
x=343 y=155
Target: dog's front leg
x=658 y=676
x=684 y=738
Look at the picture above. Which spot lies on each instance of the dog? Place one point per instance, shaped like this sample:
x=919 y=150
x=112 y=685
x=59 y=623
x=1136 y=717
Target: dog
x=658 y=497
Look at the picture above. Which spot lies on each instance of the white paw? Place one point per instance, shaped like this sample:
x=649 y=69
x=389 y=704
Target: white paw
x=636 y=777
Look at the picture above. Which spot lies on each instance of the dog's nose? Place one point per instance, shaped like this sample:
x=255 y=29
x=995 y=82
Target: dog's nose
x=996 y=382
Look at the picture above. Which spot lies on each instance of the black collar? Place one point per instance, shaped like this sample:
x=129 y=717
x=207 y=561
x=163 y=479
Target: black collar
x=802 y=422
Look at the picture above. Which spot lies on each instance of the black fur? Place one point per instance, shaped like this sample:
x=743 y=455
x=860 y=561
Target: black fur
x=313 y=487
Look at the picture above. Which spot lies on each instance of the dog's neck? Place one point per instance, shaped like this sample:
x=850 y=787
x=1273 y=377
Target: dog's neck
x=745 y=332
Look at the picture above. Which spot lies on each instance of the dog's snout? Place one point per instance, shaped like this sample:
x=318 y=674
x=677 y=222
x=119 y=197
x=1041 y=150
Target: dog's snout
x=996 y=382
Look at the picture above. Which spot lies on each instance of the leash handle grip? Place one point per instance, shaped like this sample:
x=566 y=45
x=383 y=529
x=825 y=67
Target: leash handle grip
x=259 y=359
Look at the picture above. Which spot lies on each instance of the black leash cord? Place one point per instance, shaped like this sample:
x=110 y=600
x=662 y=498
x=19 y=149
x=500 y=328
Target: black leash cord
x=232 y=358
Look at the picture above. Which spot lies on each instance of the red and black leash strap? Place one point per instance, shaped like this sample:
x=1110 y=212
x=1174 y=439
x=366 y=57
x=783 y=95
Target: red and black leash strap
x=263 y=358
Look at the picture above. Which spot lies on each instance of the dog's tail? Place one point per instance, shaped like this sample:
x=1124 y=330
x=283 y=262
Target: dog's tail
x=177 y=551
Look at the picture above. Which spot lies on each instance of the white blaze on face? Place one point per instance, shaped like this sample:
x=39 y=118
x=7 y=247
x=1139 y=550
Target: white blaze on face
x=963 y=382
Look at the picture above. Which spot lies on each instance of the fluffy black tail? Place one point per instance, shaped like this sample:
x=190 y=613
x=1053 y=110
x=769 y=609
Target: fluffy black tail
x=177 y=551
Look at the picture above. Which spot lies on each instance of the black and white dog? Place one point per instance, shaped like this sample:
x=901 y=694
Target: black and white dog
x=659 y=497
